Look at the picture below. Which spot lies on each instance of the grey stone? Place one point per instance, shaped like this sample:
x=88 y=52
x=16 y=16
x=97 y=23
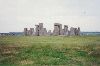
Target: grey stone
x=44 y=31
x=61 y=31
x=28 y=32
x=75 y=31
x=72 y=31
x=66 y=30
x=37 y=30
x=78 y=31
x=57 y=29
x=25 y=31
x=31 y=31
x=40 y=26
x=41 y=31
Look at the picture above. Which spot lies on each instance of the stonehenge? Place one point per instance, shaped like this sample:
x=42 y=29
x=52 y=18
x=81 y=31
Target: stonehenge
x=58 y=30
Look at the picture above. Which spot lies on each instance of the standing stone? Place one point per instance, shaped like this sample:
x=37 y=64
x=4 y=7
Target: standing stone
x=40 y=26
x=41 y=32
x=75 y=31
x=28 y=32
x=41 y=29
x=31 y=31
x=78 y=31
x=66 y=30
x=37 y=30
x=72 y=31
x=61 y=31
x=56 y=31
x=25 y=31
x=44 y=31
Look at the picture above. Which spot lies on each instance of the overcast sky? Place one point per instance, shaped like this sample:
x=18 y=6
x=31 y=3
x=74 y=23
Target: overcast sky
x=17 y=14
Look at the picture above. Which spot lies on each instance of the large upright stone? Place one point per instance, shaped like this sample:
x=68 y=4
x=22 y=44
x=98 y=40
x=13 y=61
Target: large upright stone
x=25 y=31
x=44 y=32
x=37 y=30
x=40 y=26
x=31 y=31
x=58 y=29
x=72 y=31
x=41 y=32
x=66 y=30
x=61 y=31
x=75 y=31
x=28 y=33
x=78 y=31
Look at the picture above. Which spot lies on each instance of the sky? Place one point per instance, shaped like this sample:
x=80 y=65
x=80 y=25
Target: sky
x=18 y=14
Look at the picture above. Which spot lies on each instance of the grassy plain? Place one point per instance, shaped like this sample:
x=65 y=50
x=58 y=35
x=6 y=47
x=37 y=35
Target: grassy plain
x=50 y=51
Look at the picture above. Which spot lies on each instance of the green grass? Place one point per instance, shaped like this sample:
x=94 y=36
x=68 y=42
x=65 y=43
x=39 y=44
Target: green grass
x=49 y=51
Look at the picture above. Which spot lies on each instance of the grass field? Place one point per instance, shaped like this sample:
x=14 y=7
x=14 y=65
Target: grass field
x=50 y=51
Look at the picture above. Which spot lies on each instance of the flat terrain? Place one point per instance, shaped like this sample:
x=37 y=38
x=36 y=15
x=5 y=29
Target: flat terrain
x=50 y=51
